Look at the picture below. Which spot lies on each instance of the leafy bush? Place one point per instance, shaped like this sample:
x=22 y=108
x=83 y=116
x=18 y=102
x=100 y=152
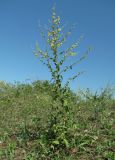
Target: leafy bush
x=28 y=131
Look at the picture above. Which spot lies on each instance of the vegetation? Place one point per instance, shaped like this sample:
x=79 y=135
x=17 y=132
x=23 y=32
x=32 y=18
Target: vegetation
x=45 y=120
x=24 y=124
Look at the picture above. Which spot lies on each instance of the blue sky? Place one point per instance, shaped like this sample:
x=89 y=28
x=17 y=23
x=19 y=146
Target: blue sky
x=19 y=31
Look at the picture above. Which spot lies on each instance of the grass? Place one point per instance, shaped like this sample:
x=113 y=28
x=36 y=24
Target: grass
x=24 y=115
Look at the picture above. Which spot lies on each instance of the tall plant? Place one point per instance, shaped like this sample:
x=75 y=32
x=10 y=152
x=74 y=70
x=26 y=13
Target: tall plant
x=55 y=59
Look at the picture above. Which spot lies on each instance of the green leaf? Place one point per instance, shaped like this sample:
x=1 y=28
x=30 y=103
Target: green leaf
x=55 y=142
x=72 y=53
x=65 y=102
x=66 y=142
x=36 y=54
